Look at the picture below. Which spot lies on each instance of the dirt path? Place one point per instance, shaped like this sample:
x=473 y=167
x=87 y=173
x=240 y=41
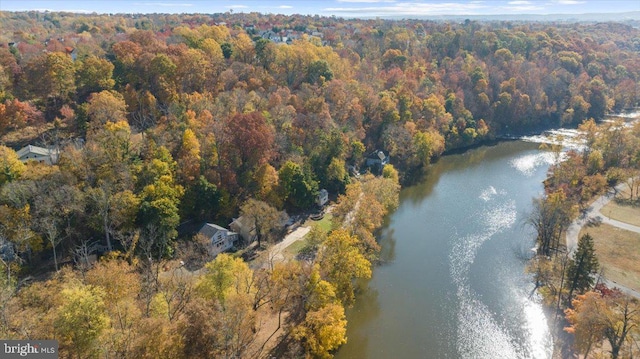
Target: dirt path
x=593 y=212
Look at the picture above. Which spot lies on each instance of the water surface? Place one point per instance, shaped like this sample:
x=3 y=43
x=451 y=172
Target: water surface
x=453 y=283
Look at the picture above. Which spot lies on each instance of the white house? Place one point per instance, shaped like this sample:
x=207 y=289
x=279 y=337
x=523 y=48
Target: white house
x=220 y=239
x=35 y=153
x=323 y=197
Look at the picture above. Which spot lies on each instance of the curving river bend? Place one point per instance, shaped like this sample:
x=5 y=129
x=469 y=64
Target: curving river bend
x=453 y=283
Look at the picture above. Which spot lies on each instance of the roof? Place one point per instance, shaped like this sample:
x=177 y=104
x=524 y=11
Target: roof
x=243 y=221
x=209 y=229
x=33 y=149
x=377 y=154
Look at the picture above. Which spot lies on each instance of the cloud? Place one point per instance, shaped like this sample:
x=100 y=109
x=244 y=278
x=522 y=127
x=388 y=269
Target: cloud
x=519 y=2
x=412 y=8
x=164 y=4
x=570 y=2
x=285 y=7
x=236 y=6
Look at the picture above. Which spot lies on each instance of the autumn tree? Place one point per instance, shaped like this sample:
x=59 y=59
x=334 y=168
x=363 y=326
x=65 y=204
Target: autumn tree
x=609 y=315
x=266 y=219
x=586 y=321
x=51 y=75
x=225 y=277
x=323 y=330
x=250 y=143
x=550 y=217
x=341 y=263
x=189 y=157
x=160 y=197
x=10 y=166
x=121 y=284
x=93 y=74
x=106 y=106
x=81 y=319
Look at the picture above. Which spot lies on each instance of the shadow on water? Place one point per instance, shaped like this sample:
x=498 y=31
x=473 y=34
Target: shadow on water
x=367 y=310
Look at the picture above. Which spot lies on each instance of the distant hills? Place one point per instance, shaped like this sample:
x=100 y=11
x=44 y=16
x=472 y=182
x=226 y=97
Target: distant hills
x=633 y=16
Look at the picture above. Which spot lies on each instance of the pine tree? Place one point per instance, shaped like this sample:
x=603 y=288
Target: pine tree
x=582 y=266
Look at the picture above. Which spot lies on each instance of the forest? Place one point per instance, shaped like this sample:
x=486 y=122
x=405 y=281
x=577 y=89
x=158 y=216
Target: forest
x=157 y=120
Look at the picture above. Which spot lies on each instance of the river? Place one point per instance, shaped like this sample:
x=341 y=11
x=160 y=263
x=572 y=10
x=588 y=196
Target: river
x=452 y=283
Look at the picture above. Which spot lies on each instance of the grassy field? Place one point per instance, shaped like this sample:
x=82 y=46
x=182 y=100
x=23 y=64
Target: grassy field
x=621 y=211
x=292 y=251
x=325 y=223
x=618 y=252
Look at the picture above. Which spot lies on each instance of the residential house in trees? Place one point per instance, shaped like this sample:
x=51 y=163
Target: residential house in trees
x=220 y=238
x=323 y=198
x=245 y=227
x=40 y=154
x=71 y=51
x=376 y=160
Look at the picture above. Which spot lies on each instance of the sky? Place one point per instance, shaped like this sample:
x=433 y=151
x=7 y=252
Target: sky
x=340 y=8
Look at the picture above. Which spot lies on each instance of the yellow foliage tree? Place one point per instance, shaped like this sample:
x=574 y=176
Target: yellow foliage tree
x=323 y=331
x=341 y=262
x=10 y=166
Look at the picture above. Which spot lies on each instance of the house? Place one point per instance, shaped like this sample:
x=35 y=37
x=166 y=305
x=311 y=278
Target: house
x=376 y=160
x=220 y=238
x=35 y=153
x=71 y=51
x=245 y=228
x=323 y=197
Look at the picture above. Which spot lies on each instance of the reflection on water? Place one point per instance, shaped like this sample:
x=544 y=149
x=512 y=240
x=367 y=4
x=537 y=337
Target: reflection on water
x=527 y=164
x=452 y=283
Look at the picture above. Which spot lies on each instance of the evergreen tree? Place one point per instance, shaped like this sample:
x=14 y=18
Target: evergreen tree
x=582 y=266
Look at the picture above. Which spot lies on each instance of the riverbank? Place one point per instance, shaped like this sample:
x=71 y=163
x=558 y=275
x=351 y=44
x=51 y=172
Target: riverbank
x=593 y=216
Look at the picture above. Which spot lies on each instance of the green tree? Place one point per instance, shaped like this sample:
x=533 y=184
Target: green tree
x=583 y=266
x=319 y=72
x=201 y=200
x=160 y=197
x=265 y=53
x=298 y=189
x=337 y=176
x=227 y=50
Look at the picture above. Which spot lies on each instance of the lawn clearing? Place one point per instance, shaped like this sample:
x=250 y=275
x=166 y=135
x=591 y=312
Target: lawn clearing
x=618 y=252
x=623 y=212
x=294 y=248
x=326 y=223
